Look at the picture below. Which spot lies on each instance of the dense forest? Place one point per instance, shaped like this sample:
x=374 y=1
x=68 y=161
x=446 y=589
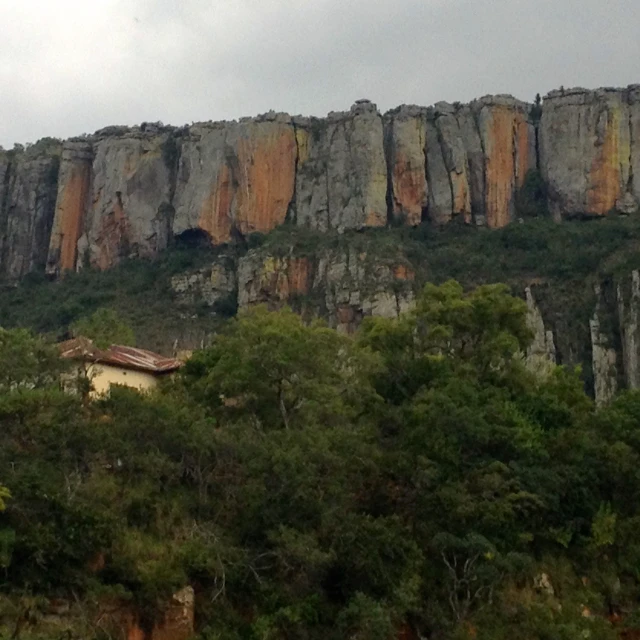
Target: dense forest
x=414 y=480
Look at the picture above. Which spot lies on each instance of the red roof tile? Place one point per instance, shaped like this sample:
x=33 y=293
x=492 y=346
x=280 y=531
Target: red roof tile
x=118 y=355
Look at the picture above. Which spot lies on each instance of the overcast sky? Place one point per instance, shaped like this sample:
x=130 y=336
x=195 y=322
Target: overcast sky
x=72 y=66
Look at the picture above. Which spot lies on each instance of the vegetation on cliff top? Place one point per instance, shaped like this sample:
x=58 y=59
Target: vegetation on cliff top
x=411 y=481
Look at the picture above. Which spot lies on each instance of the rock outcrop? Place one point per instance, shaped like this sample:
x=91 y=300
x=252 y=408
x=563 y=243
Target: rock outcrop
x=341 y=177
x=542 y=350
x=27 y=202
x=590 y=150
x=128 y=192
x=236 y=177
x=342 y=285
x=459 y=161
x=215 y=285
x=628 y=297
x=604 y=356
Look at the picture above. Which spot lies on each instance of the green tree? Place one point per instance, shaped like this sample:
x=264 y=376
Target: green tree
x=27 y=360
x=279 y=372
x=104 y=327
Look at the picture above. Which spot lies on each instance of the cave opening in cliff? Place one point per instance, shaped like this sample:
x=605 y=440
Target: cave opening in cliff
x=193 y=239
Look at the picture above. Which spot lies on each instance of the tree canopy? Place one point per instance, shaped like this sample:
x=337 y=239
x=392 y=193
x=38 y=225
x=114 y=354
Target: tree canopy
x=414 y=480
x=104 y=327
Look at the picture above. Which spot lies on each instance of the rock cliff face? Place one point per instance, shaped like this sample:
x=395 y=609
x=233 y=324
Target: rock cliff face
x=74 y=187
x=341 y=178
x=343 y=285
x=590 y=150
x=463 y=161
x=127 y=192
x=236 y=176
x=131 y=192
x=27 y=202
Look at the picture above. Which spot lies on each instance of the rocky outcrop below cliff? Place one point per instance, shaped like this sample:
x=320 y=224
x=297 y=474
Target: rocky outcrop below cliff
x=591 y=322
x=129 y=192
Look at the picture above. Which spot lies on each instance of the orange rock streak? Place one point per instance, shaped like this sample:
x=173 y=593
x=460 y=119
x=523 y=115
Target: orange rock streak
x=605 y=170
x=71 y=210
x=507 y=162
x=254 y=190
x=267 y=167
x=215 y=215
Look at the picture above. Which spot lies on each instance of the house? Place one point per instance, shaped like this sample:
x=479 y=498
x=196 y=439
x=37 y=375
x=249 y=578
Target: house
x=129 y=366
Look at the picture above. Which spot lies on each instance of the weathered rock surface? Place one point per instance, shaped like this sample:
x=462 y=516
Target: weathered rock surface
x=341 y=177
x=629 y=321
x=74 y=188
x=542 y=350
x=236 y=176
x=476 y=157
x=26 y=207
x=341 y=285
x=210 y=285
x=405 y=145
x=508 y=142
x=604 y=356
x=130 y=213
x=590 y=150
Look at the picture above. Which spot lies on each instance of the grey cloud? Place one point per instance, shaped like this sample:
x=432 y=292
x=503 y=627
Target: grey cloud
x=85 y=65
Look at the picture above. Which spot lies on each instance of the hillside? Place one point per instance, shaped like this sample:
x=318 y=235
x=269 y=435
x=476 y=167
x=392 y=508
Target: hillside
x=415 y=480
x=176 y=301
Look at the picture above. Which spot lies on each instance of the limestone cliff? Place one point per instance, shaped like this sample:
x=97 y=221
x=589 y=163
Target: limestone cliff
x=235 y=176
x=341 y=177
x=127 y=192
x=590 y=150
x=27 y=202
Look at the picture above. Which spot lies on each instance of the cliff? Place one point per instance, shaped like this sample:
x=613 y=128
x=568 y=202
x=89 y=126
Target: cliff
x=317 y=188
x=128 y=192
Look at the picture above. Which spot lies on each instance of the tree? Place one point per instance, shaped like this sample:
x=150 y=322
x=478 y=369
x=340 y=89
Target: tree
x=279 y=372
x=104 y=327
x=478 y=333
x=27 y=360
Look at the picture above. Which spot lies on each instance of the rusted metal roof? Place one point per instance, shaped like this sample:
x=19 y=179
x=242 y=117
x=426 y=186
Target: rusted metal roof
x=118 y=356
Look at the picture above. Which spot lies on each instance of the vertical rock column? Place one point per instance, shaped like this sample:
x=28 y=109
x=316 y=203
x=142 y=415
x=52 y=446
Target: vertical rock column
x=476 y=157
x=405 y=143
x=629 y=317
x=604 y=357
x=541 y=353
x=341 y=178
x=74 y=186
x=508 y=142
x=30 y=184
x=454 y=154
x=589 y=152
